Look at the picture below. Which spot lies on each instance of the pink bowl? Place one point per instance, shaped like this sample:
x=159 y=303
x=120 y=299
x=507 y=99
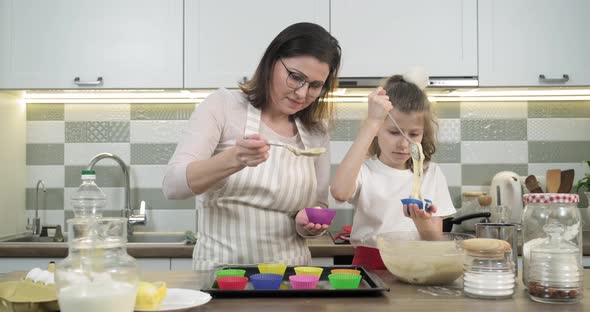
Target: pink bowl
x=320 y=216
x=304 y=281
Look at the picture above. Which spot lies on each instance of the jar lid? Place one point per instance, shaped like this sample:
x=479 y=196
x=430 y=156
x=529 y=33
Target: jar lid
x=547 y=198
x=486 y=247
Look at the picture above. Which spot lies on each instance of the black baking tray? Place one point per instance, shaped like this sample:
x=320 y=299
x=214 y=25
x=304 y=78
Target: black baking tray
x=370 y=285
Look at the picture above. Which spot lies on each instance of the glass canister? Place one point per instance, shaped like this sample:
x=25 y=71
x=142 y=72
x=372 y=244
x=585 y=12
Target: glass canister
x=488 y=269
x=97 y=275
x=543 y=208
x=555 y=273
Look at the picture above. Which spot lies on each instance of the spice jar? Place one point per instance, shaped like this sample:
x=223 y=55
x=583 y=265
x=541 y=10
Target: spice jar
x=556 y=274
x=488 y=269
x=543 y=208
x=98 y=274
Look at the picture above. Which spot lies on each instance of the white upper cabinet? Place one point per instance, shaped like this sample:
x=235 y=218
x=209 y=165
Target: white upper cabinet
x=224 y=39
x=68 y=44
x=384 y=37
x=520 y=42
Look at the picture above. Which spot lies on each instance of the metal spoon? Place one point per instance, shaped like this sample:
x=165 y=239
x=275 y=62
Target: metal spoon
x=314 y=151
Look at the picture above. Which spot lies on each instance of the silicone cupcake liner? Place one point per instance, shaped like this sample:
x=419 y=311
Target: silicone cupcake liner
x=307 y=270
x=272 y=268
x=230 y=272
x=304 y=281
x=320 y=216
x=232 y=282
x=408 y=201
x=266 y=281
x=345 y=271
x=344 y=281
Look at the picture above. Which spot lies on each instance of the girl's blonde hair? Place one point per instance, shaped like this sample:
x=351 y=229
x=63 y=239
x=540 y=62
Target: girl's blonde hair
x=407 y=97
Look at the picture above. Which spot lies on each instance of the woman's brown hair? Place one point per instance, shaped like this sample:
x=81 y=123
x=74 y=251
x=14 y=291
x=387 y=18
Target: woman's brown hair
x=407 y=97
x=301 y=39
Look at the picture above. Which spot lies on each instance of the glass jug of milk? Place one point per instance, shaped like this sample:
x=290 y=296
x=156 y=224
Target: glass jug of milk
x=98 y=274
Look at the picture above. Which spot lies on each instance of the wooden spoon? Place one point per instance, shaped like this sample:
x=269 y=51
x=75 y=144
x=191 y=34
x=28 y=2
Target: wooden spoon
x=553 y=180
x=532 y=184
x=567 y=180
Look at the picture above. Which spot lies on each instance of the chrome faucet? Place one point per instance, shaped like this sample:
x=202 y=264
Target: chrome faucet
x=37 y=221
x=127 y=212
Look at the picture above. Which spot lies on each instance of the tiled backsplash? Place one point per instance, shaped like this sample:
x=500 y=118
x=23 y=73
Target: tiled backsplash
x=476 y=140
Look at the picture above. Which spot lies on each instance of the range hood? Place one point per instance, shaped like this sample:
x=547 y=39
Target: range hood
x=434 y=82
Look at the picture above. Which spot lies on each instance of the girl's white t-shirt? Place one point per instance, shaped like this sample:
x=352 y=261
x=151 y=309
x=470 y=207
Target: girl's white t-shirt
x=377 y=199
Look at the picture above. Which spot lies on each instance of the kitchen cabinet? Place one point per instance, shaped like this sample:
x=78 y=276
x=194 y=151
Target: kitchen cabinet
x=224 y=40
x=67 y=44
x=521 y=40
x=383 y=37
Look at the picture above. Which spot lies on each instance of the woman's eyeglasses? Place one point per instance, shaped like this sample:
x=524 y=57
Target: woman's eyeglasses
x=296 y=81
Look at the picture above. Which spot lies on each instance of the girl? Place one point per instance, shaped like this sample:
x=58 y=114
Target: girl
x=375 y=186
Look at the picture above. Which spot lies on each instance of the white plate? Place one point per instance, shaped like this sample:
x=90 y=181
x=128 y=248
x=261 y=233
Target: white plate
x=178 y=299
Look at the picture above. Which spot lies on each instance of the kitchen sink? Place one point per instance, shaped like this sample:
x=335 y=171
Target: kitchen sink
x=136 y=238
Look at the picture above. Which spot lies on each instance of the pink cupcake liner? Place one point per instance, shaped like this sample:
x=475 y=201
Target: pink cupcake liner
x=304 y=281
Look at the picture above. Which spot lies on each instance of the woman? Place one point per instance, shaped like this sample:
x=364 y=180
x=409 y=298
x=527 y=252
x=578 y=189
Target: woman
x=255 y=194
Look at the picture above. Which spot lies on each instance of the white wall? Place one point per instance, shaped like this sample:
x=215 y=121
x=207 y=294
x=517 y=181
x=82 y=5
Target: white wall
x=12 y=163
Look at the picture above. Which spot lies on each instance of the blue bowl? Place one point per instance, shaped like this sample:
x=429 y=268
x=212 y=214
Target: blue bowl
x=266 y=281
x=408 y=201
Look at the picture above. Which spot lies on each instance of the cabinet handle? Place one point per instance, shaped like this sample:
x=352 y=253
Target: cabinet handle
x=543 y=79
x=88 y=83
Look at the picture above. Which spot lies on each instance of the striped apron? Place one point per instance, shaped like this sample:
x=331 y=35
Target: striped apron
x=249 y=217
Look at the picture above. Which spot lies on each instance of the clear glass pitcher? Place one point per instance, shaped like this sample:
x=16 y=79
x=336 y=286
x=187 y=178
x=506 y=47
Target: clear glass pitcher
x=98 y=274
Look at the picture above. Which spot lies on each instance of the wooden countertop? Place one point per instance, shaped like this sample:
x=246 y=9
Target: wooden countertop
x=401 y=297
x=320 y=247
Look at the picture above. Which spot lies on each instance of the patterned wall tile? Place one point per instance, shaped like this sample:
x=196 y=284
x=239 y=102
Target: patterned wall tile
x=53 y=199
x=151 y=154
x=565 y=109
x=494 y=152
x=345 y=130
x=338 y=149
x=45 y=154
x=548 y=151
x=52 y=176
x=494 y=110
x=167 y=220
x=493 y=130
x=147 y=176
x=157 y=131
x=447 y=153
x=351 y=111
x=45 y=132
x=97 y=112
x=97 y=131
x=155 y=199
x=482 y=174
x=449 y=130
x=80 y=154
x=161 y=111
x=44 y=112
x=559 y=129
x=106 y=176
x=452 y=173
x=447 y=109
